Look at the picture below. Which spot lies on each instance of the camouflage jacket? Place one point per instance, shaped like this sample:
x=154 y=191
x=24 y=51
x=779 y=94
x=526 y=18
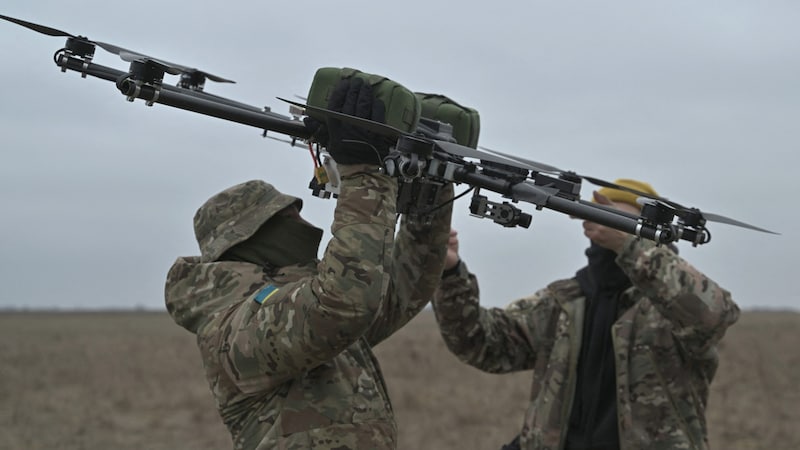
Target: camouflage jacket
x=664 y=340
x=288 y=357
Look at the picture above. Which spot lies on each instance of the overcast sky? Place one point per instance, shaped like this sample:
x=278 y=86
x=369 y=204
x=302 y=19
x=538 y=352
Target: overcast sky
x=700 y=99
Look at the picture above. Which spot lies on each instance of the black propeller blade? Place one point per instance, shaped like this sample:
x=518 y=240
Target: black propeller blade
x=125 y=54
x=537 y=166
x=58 y=33
x=505 y=158
x=369 y=125
x=395 y=133
x=36 y=27
x=170 y=68
x=691 y=215
x=593 y=180
x=722 y=219
x=680 y=210
x=469 y=152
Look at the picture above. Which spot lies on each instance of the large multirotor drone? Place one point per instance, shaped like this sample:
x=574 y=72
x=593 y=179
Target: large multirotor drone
x=423 y=159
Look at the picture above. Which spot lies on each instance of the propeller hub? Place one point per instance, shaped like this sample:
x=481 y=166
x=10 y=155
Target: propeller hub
x=658 y=213
x=412 y=145
x=146 y=72
x=80 y=47
x=195 y=81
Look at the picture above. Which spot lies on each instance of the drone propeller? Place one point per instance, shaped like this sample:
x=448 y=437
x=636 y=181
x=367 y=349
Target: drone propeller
x=58 y=33
x=469 y=152
x=593 y=180
x=694 y=216
x=395 y=133
x=369 y=125
x=722 y=219
x=689 y=215
x=40 y=28
x=196 y=76
x=170 y=68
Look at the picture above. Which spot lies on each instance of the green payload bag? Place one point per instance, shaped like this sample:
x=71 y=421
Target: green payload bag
x=465 y=121
x=402 y=106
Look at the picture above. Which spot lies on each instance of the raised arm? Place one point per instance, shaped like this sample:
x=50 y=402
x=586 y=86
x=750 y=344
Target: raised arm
x=417 y=263
x=699 y=309
x=287 y=330
x=492 y=339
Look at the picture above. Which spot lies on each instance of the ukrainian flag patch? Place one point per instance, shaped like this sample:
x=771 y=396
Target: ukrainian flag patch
x=265 y=293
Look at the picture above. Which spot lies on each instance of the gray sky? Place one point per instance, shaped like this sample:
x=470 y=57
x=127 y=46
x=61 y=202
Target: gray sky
x=700 y=99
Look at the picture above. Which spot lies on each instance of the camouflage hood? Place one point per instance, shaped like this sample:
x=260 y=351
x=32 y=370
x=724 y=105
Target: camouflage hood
x=195 y=291
x=235 y=214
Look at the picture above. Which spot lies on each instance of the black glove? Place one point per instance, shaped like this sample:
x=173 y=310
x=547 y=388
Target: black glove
x=348 y=143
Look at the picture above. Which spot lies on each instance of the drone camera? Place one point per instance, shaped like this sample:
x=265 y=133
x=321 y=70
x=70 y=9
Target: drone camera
x=504 y=213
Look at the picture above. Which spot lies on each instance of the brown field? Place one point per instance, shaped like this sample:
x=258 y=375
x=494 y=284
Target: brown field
x=134 y=381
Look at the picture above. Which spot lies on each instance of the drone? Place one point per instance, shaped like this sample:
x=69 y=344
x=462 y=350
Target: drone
x=423 y=159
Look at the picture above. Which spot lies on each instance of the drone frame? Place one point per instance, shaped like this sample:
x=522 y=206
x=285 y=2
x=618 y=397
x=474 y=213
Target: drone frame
x=422 y=161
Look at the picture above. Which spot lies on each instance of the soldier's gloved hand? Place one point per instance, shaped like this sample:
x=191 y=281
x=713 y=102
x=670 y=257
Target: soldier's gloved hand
x=349 y=143
x=317 y=130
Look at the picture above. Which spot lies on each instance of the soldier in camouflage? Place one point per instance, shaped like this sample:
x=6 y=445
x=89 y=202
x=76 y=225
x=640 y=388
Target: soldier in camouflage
x=286 y=339
x=622 y=353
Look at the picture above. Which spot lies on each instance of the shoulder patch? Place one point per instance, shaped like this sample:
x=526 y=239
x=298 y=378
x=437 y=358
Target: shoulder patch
x=265 y=293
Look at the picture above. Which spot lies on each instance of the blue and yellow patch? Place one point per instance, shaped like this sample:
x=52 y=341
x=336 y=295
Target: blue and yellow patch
x=265 y=293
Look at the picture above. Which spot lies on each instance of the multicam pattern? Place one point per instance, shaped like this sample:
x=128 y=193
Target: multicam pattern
x=665 y=345
x=297 y=372
x=233 y=215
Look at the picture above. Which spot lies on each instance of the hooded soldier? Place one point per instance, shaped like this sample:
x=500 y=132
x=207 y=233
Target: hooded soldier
x=286 y=339
x=254 y=222
x=622 y=353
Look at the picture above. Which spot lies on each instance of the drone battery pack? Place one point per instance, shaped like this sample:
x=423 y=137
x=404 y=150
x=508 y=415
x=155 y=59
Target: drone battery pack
x=465 y=121
x=402 y=106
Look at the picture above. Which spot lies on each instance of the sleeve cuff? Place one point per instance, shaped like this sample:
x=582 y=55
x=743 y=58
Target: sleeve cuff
x=452 y=271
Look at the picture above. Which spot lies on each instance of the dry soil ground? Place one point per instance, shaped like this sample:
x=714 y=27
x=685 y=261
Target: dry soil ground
x=133 y=380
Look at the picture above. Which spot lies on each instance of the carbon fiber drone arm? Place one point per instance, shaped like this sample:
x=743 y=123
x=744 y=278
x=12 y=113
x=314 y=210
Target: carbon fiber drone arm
x=153 y=91
x=422 y=161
